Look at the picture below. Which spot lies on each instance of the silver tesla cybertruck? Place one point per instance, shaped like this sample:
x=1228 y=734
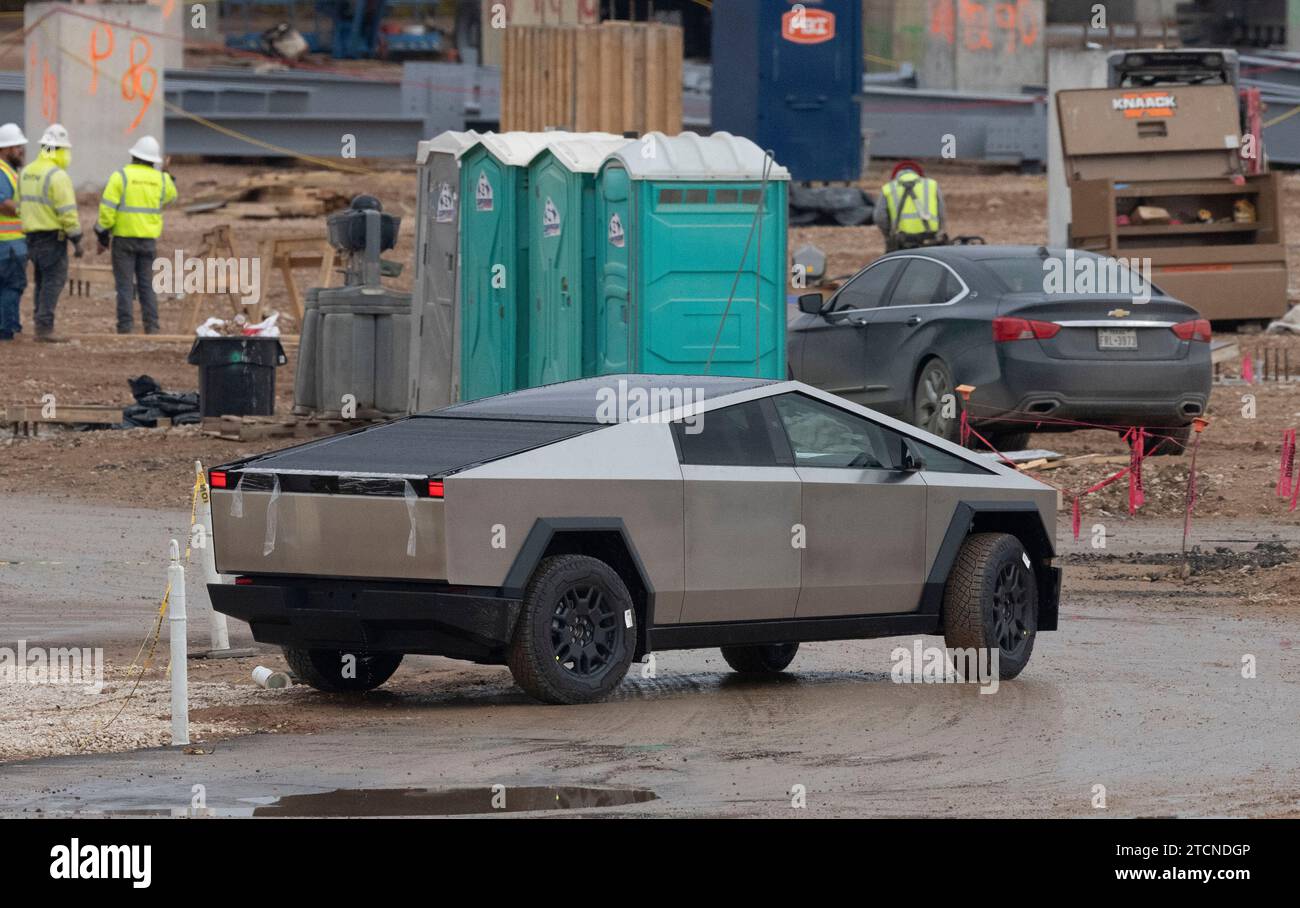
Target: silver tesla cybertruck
x=568 y=530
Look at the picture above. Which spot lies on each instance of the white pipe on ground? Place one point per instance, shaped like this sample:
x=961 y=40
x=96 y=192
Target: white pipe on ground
x=179 y=649
x=270 y=678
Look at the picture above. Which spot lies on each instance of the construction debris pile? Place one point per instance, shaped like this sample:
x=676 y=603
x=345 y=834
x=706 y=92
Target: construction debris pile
x=277 y=195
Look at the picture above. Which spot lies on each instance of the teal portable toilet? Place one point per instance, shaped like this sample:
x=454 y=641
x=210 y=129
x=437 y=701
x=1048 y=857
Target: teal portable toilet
x=691 y=264
x=494 y=259
x=562 y=258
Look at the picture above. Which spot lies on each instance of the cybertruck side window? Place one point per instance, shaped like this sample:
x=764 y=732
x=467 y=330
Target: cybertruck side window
x=744 y=435
x=826 y=436
x=937 y=461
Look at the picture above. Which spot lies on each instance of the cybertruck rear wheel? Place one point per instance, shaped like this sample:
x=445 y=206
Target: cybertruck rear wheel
x=760 y=660
x=338 y=671
x=991 y=601
x=576 y=632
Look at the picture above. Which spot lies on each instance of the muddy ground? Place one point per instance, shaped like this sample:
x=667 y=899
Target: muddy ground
x=1141 y=690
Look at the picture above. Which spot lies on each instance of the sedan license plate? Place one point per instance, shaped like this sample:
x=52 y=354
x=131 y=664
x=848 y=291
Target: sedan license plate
x=1117 y=339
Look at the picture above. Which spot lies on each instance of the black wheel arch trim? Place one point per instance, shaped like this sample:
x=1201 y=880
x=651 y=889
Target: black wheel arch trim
x=539 y=538
x=1038 y=543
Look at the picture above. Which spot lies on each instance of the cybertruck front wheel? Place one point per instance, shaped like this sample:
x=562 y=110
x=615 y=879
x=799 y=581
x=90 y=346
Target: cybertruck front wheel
x=760 y=660
x=338 y=671
x=991 y=601
x=576 y=631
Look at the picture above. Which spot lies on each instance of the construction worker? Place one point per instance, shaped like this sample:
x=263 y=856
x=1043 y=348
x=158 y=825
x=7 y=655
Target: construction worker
x=910 y=209
x=49 y=217
x=130 y=213
x=13 y=246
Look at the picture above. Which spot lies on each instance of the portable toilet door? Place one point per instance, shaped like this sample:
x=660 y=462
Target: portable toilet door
x=611 y=323
x=562 y=257
x=705 y=258
x=435 y=322
x=494 y=260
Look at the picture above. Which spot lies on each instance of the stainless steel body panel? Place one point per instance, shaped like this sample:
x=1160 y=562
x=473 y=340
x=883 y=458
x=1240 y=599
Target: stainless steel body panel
x=866 y=542
x=329 y=536
x=628 y=471
x=947 y=490
x=741 y=561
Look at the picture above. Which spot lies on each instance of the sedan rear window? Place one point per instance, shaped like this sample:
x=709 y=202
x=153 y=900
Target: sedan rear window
x=1028 y=274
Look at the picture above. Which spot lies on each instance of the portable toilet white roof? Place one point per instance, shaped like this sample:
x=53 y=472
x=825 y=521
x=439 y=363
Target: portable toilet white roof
x=690 y=156
x=586 y=152
x=449 y=142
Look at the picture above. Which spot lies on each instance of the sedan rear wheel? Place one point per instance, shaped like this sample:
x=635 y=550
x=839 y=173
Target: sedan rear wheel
x=934 y=402
x=1166 y=442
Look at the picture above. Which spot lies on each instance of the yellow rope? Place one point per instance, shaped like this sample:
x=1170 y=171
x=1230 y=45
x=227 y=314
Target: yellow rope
x=151 y=638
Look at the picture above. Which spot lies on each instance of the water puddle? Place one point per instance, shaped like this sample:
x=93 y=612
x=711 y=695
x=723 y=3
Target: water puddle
x=413 y=802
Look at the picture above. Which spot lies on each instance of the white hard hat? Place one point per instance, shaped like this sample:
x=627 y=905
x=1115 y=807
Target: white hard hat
x=147 y=148
x=55 y=136
x=11 y=135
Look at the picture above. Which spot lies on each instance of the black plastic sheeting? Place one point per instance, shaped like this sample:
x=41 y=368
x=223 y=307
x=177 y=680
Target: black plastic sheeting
x=418 y=446
x=153 y=405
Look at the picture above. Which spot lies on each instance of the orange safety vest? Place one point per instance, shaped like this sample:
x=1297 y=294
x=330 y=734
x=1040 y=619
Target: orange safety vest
x=11 y=226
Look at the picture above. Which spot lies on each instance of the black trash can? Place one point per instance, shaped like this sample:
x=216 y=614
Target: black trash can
x=237 y=374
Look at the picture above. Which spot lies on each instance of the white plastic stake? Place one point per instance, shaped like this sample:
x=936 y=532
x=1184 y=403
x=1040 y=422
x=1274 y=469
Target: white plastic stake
x=180 y=651
x=219 y=631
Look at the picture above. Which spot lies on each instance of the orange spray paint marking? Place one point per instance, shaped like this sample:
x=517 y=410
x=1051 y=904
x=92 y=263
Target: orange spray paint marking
x=138 y=74
x=96 y=54
x=49 y=93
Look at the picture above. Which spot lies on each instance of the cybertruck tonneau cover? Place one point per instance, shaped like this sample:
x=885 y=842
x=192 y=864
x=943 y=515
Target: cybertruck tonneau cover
x=416 y=446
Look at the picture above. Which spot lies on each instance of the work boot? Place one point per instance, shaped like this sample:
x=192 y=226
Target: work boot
x=6 y=335
x=124 y=330
x=152 y=329
x=49 y=337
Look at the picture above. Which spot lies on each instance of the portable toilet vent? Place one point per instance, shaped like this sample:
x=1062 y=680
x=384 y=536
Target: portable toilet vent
x=692 y=258
x=562 y=259
x=435 y=365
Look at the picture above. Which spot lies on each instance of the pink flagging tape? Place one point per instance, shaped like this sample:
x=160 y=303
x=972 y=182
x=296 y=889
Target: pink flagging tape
x=1286 y=471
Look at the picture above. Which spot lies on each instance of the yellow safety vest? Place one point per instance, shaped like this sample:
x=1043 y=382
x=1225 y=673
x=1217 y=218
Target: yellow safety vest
x=133 y=201
x=913 y=204
x=48 y=202
x=11 y=226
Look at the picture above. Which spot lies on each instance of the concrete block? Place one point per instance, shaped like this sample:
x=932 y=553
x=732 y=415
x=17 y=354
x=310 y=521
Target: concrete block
x=1066 y=68
x=984 y=45
x=98 y=70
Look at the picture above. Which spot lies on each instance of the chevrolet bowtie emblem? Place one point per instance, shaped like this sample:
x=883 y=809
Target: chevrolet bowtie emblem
x=1119 y=313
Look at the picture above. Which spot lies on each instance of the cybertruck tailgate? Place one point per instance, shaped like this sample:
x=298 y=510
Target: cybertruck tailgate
x=358 y=505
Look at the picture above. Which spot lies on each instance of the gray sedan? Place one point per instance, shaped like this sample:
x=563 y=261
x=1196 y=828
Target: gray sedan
x=1041 y=335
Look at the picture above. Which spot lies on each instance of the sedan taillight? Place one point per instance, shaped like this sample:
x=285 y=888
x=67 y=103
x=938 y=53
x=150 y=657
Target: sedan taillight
x=1011 y=329
x=1196 y=330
